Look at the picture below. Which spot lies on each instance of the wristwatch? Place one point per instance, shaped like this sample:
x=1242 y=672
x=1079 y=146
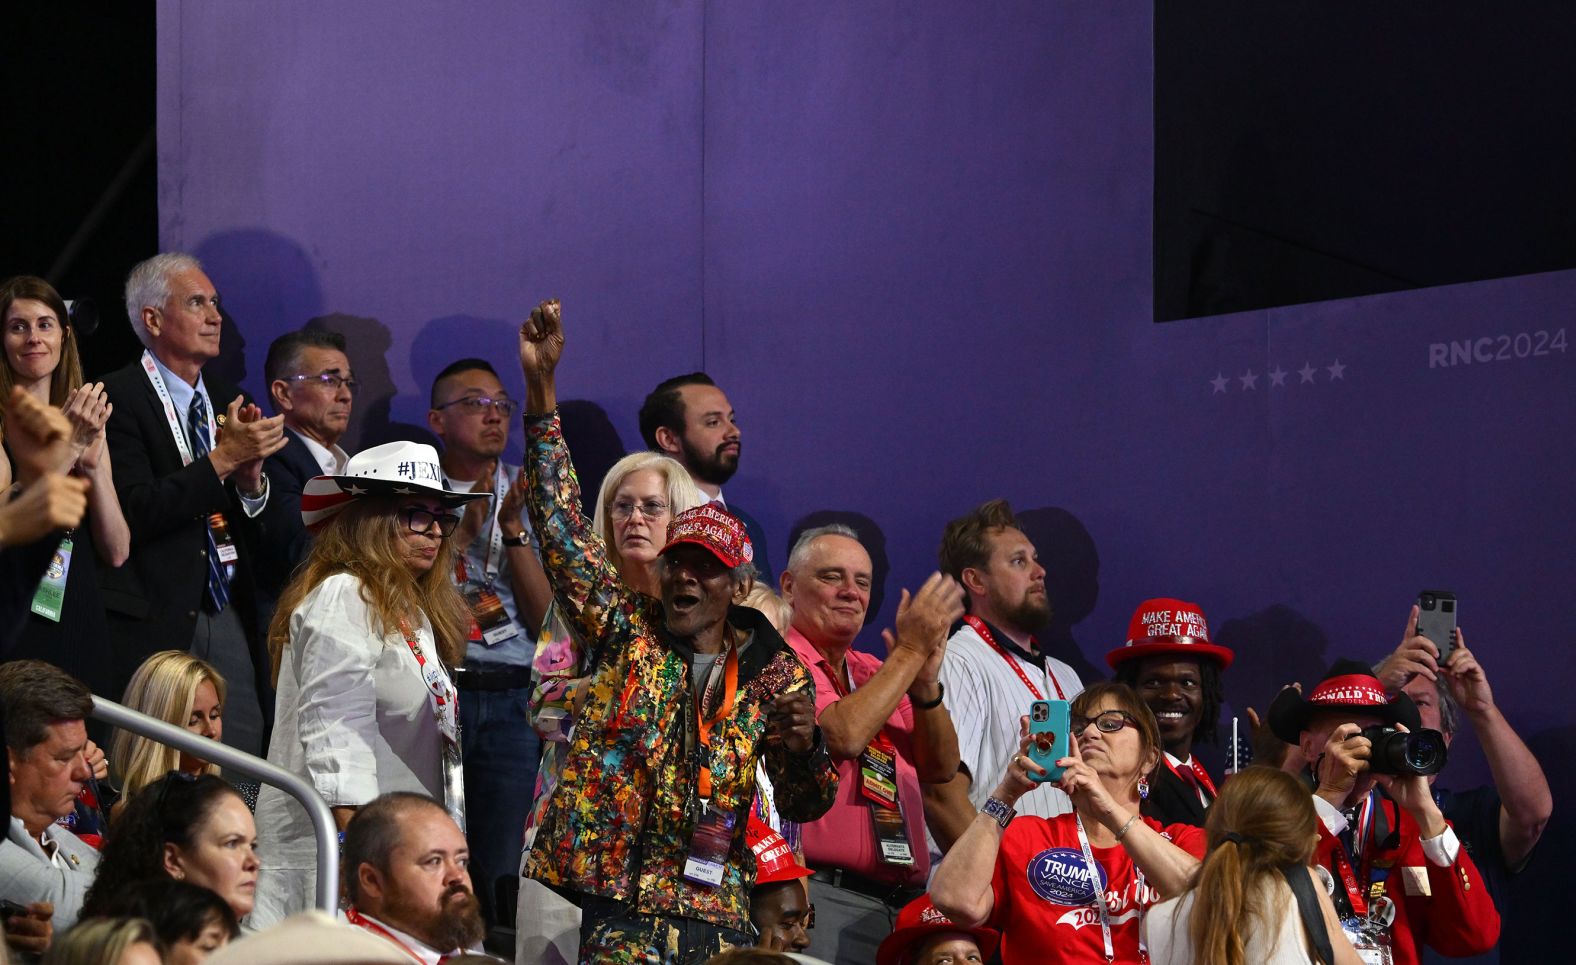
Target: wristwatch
x=1003 y=813
x=521 y=540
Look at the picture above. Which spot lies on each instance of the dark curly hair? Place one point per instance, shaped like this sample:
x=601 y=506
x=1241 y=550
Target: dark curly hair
x=168 y=811
x=177 y=910
x=1211 y=694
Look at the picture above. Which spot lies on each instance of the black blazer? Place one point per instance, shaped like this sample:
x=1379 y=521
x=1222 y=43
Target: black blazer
x=1172 y=800
x=282 y=539
x=154 y=599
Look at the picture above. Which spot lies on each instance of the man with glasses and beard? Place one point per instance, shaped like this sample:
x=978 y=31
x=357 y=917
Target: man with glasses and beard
x=994 y=668
x=689 y=418
x=406 y=874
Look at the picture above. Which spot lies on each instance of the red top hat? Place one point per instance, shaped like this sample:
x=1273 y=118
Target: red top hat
x=919 y=920
x=716 y=529
x=774 y=859
x=1166 y=626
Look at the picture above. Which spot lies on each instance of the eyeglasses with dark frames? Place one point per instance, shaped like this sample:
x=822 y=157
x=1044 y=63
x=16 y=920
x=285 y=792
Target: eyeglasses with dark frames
x=480 y=404
x=420 y=521
x=1106 y=721
x=330 y=381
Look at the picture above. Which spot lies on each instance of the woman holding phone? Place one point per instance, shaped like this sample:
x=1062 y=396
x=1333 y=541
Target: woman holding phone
x=1073 y=888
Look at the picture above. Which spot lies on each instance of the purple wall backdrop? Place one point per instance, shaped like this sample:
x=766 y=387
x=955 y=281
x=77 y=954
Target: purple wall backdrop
x=913 y=243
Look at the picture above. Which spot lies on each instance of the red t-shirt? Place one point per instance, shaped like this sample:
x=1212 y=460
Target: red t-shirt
x=1045 y=907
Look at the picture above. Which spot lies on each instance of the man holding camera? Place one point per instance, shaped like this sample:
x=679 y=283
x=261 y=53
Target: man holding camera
x=1396 y=870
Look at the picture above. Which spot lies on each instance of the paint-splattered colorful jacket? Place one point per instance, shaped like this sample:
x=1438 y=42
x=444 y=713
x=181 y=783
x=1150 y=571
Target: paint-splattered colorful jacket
x=620 y=821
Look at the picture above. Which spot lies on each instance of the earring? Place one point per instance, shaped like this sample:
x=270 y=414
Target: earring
x=1143 y=789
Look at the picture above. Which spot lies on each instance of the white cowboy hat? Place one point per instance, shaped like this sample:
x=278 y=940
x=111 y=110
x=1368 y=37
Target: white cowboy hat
x=392 y=469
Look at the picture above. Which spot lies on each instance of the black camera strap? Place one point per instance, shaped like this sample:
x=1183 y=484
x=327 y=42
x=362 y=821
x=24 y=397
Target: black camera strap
x=1308 y=910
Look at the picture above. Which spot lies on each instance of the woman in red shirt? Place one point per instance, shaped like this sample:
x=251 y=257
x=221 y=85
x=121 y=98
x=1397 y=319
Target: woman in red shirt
x=1030 y=879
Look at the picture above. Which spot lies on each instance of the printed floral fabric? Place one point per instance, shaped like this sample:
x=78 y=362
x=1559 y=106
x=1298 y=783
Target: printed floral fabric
x=560 y=669
x=620 y=821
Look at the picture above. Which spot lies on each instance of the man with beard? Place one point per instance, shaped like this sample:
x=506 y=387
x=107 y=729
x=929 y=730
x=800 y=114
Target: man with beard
x=1169 y=661
x=689 y=418
x=994 y=669
x=406 y=876
x=499 y=575
x=686 y=697
x=886 y=728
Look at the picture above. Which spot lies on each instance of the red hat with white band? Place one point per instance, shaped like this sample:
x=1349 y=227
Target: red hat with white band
x=1164 y=626
x=1351 y=686
x=919 y=920
x=774 y=859
x=716 y=529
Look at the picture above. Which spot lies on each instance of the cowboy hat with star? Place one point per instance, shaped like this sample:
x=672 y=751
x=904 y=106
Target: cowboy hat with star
x=392 y=469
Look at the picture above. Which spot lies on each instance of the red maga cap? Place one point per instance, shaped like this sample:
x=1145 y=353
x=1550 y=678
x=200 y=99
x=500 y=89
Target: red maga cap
x=774 y=859
x=919 y=920
x=716 y=529
x=1167 y=626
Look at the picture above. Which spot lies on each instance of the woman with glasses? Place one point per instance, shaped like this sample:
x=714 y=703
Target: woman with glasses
x=639 y=496
x=361 y=642
x=1073 y=888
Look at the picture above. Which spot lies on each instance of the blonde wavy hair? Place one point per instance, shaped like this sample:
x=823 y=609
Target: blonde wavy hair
x=363 y=539
x=682 y=494
x=165 y=686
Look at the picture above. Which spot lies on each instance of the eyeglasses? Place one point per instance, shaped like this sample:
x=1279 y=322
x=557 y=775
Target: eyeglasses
x=421 y=521
x=330 y=381
x=651 y=509
x=479 y=404
x=1106 y=721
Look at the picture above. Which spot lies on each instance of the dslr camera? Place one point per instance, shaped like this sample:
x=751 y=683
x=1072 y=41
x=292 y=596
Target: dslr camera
x=1405 y=754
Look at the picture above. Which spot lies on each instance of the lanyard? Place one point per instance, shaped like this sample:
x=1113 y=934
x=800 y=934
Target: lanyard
x=730 y=687
x=1346 y=867
x=492 y=561
x=984 y=631
x=438 y=686
x=1099 y=892
x=357 y=918
x=151 y=369
x=1199 y=774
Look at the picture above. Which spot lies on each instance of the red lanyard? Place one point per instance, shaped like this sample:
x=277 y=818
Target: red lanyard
x=730 y=688
x=1343 y=865
x=356 y=918
x=990 y=638
x=1199 y=773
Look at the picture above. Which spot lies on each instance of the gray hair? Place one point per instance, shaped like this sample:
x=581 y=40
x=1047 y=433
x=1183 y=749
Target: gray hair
x=148 y=286
x=801 y=546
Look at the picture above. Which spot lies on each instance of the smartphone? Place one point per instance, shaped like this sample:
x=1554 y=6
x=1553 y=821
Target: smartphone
x=1436 y=620
x=1049 y=724
x=10 y=909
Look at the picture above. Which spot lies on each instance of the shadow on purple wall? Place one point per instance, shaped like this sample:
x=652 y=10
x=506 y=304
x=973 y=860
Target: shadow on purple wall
x=1072 y=581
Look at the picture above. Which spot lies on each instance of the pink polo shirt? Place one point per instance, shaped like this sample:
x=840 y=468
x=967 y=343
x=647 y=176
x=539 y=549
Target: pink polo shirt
x=844 y=836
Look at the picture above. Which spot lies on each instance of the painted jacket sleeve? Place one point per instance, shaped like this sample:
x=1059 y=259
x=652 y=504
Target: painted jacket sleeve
x=586 y=585
x=560 y=666
x=805 y=785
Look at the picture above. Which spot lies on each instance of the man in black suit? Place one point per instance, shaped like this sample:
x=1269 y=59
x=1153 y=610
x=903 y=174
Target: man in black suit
x=189 y=472
x=311 y=385
x=689 y=418
x=1170 y=661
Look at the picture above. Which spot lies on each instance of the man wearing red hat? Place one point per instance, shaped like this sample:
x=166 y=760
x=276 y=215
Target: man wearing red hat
x=1398 y=874
x=925 y=936
x=780 y=906
x=1172 y=665
x=685 y=696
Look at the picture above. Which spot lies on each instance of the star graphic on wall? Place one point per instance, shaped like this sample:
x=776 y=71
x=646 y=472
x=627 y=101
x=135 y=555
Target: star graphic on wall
x=1337 y=371
x=1249 y=381
x=1278 y=377
x=1306 y=372
x=1219 y=382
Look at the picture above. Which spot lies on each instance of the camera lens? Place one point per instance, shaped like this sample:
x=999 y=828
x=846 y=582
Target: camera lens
x=1449 y=606
x=1427 y=601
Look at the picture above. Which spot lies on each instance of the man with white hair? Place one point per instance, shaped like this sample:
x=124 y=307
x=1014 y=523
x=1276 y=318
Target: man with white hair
x=188 y=457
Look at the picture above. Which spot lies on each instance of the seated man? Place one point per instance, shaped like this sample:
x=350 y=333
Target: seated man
x=1169 y=661
x=46 y=743
x=925 y=936
x=1397 y=872
x=406 y=874
x=687 y=694
x=780 y=906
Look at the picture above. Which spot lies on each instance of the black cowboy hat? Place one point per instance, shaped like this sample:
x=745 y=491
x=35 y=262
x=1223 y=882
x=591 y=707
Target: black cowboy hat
x=1349 y=685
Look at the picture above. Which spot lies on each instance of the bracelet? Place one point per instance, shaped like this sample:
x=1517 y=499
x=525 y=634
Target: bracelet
x=1122 y=833
x=941 y=691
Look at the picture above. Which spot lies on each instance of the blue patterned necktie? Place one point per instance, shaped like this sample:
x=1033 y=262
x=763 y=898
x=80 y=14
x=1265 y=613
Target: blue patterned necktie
x=202 y=444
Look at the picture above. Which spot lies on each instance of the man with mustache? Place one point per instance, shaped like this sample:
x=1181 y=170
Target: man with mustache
x=407 y=879
x=1172 y=665
x=689 y=418
x=994 y=667
x=502 y=581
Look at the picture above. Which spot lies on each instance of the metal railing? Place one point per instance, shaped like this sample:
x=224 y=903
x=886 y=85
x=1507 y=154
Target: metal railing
x=242 y=763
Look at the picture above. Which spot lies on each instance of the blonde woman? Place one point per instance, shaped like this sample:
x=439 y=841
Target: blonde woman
x=106 y=941
x=361 y=642
x=177 y=688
